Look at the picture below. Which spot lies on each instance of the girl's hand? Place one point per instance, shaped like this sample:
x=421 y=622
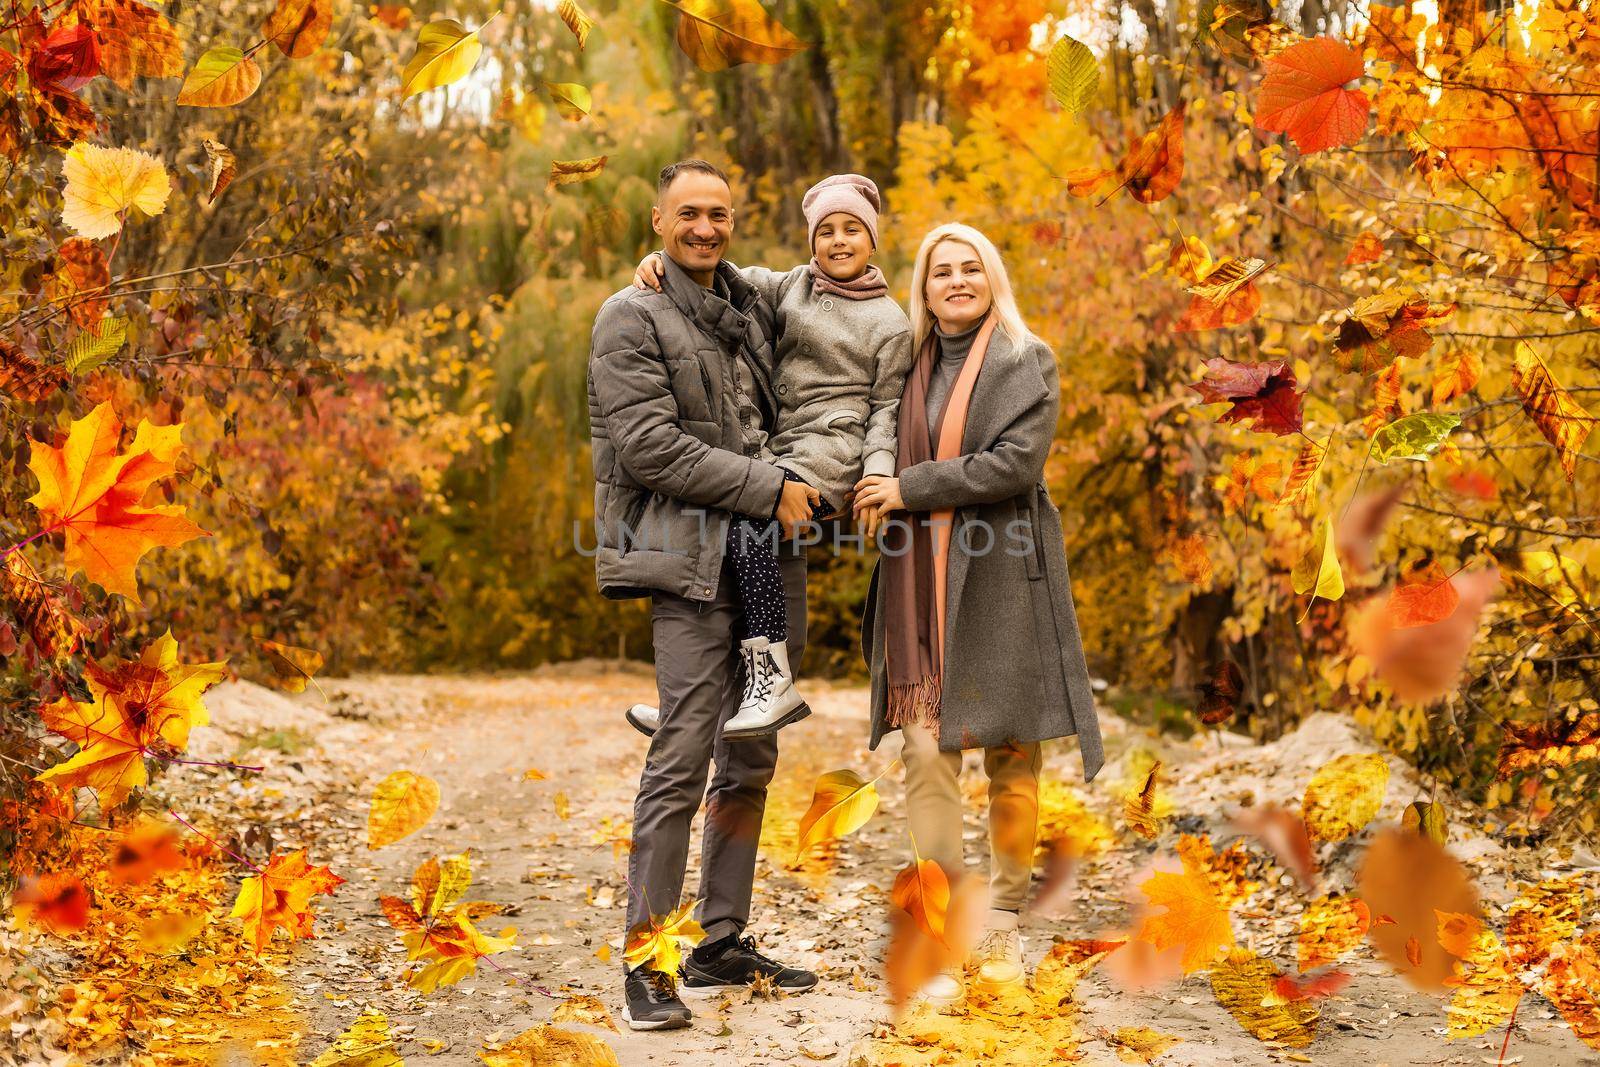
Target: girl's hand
x=879 y=491
x=871 y=520
x=648 y=276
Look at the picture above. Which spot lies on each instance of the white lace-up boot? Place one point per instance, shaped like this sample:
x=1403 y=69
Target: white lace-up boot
x=770 y=700
x=998 y=957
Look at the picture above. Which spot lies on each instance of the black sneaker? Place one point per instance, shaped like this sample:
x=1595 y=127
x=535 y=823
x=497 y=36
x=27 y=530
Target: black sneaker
x=650 y=1001
x=735 y=963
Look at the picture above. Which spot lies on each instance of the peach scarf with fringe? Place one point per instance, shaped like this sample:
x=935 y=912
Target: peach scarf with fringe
x=916 y=561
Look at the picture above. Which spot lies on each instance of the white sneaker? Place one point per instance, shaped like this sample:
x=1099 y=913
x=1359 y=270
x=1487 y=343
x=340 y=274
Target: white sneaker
x=998 y=959
x=944 y=990
x=770 y=699
x=646 y=718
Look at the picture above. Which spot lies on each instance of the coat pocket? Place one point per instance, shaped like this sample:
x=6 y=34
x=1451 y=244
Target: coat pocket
x=1027 y=513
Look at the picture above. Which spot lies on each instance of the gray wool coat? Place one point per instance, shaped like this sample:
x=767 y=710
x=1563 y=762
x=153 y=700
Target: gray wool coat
x=1014 y=668
x=666 y=443
x=840 y=369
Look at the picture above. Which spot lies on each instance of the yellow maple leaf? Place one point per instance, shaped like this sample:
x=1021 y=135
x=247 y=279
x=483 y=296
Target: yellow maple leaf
x=104 y=184
x=92 y=495
x=1193 y=918
x=140 y=706
x=658 y=942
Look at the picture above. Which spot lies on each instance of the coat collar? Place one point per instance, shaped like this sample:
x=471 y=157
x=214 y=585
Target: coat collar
x=726 y=320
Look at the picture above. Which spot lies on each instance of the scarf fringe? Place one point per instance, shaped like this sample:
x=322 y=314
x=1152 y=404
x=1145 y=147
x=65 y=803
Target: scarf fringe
x=916 y=702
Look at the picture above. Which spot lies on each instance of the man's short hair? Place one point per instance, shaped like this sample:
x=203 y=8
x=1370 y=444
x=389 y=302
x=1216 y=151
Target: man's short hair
x=672 y=170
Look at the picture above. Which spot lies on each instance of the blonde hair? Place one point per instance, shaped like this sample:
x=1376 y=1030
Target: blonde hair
x=1009 y=319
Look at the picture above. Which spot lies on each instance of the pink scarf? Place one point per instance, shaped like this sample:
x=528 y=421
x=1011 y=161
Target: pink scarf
x=864 y=286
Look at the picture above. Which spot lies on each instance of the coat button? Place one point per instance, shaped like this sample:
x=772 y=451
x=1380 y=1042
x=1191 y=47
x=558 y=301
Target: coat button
x=783 y=390
x=805 y=348
x=827 y=305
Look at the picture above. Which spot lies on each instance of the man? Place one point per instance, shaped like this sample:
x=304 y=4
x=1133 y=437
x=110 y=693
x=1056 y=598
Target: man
x=680 y=401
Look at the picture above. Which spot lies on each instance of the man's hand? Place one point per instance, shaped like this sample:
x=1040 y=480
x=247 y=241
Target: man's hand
x=650 y=272
x=794 y=506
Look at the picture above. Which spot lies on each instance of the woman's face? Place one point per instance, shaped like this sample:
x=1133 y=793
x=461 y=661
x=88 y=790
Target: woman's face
x=842 y=246
x=956 y=289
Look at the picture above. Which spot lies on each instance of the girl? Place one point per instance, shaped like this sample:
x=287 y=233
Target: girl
x=970 y=629
x=842 y=352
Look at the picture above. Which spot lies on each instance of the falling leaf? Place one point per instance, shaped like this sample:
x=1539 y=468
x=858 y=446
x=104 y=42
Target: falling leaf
x=570 y=171
x=25 y=379
x=1203 y=313
x=1345 y=794
x=1261 y=393
x=1428 y=819
x=1225 y=871
x=1151 y=169
x=1219 y=694
x=1331 y=928
x=224 y=76
x=1300 y=489
x=402 y=804
x=294 y=666
x=65 y=61
x=445 y=52
x=1422 y=663
x=533 y=774
x=55 y=630
x=571 y=99
x=104 y=184
x=136 y=40
x=223 y=168
x=138 y=708
x=280 y=896
x=1193 y=918
x=1226 y=277
x=1556 y=742
x=1408 y=878
x=1249 y=474
x=589 y=1011
x=57 y=901
x=545 y=1044
x=1562 y=420
x=1385 y=325
x=1317 y=572
x=922 y=891
x=1367 y=248
x=579 y=23
x=1243 y=984
x=1284 y=833
x=841 y=804
x=718 y=34
x=1304 y=95
x=658 y=942
x=1415 y=436
x=1362 y=522
x=1456 y=375
x=1423 y=598
x=367 y=1043
x=1073 y=74
x=144 y=852
x=1288 y=989
x=1139 y=808
x=81 y=281
x=94 y=345
x=298 y=27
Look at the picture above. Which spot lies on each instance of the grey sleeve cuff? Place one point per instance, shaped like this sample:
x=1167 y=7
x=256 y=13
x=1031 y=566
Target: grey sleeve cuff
x=879 y=462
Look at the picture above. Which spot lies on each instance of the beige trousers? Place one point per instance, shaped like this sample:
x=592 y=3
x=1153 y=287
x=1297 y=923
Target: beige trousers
x=933 y=806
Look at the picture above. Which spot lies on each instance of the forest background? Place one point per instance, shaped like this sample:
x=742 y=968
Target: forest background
x=376 y=336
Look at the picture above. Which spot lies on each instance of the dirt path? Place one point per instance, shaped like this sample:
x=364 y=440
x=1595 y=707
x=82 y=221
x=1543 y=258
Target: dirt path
x=563 y=884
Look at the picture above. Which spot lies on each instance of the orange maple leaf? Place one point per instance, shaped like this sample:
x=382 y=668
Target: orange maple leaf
x=280 y=895
x=1193 y=918
x=92 y=494
x=1304 y=95
x=140 y=707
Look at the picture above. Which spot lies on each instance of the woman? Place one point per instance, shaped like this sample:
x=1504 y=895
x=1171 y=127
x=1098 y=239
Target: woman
x=970 y=629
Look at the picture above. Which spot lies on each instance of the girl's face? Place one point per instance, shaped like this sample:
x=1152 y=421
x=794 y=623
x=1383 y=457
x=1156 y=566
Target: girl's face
x=842 y=245
x=956 y=289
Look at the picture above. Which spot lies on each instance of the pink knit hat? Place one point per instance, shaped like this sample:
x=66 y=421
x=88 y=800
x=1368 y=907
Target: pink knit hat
x=850 y=193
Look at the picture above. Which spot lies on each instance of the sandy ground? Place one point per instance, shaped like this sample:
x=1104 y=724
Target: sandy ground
x=561 y=880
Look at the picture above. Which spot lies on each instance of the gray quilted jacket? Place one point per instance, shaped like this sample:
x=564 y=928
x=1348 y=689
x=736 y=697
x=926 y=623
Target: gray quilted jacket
x=665 y=436
x=841 y=367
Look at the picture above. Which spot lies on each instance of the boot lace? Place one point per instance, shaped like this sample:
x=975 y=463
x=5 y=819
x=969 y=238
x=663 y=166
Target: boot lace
x=761 y=682
x=1000 y=945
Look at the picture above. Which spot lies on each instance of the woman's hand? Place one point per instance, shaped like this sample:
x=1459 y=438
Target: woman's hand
x=648 y=276
x=879 y=491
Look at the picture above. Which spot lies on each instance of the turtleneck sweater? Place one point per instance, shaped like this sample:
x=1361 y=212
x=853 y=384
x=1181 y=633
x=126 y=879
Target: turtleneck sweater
x=953 y=351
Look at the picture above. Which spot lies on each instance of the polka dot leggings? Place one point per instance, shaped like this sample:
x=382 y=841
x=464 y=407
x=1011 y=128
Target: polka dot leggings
x=752 y=552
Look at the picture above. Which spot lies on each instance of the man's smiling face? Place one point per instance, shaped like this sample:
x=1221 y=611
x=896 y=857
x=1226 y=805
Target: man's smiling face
x=695 y=219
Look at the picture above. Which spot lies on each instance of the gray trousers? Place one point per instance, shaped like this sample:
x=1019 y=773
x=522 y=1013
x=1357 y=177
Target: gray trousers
x=700 y=681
